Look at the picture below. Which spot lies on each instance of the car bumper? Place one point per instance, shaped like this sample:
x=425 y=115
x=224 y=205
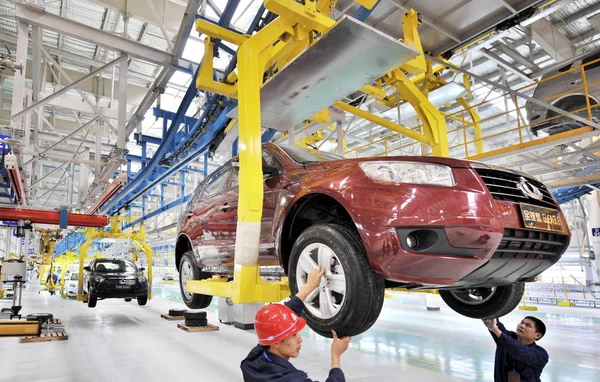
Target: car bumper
x=468 y=235
x=109 y=291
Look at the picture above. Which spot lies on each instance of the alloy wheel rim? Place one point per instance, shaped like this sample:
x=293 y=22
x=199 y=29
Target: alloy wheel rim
x=327 y=300
x=186 y=273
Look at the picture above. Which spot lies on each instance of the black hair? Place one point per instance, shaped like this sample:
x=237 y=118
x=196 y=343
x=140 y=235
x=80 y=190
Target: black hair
x=540 y=327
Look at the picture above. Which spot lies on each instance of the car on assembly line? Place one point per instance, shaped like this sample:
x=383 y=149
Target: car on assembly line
x=474 y=232
x=114 y=278
x=563 y=88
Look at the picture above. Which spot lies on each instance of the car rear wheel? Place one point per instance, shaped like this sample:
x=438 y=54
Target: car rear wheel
x=350 y=296
x=142 y=300
x=189 y=270
x=484 y=302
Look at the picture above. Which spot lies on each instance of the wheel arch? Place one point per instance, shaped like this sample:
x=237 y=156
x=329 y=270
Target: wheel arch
x=307 y=210
x=182 y=245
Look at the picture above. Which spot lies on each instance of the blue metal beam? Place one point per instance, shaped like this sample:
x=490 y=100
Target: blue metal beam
x=156 y=212
x=201 y=137
x=363 y=13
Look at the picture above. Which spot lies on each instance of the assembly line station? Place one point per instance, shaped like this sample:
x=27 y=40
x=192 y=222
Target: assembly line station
x=438 y=160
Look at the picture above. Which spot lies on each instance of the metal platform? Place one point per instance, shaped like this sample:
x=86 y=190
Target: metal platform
x=351 y=55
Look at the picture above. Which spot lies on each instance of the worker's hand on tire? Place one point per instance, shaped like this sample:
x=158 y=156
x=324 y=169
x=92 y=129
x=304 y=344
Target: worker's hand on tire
x=490 y=323
x=339 y=345
x=314 y=278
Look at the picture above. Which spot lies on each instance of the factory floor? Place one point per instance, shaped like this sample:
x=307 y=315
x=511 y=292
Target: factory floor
x=121 y=341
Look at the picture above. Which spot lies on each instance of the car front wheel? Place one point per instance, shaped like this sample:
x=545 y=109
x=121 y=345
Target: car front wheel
x=189 y=270
x=484 y=302
x=92 y=300
x=350 y=296
x=142 y=300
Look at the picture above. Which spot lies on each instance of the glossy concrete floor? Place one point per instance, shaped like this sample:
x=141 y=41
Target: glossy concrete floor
x=120 y=341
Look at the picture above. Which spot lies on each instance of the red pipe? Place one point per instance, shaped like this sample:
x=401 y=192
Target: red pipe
x=15 y=181
x=106 y=195
x=53 y=217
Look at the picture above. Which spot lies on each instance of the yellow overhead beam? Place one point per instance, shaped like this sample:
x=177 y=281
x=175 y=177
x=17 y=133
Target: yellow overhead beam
x=533 y=143
x=410 y=23
x=369 y=4
x=205 y=80
x=218 y=32
x=305 y=15
x=383 y=122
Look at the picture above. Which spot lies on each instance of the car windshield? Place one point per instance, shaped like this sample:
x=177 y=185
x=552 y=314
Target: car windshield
x=308 y=155
x=74 y=276
x=115 y=266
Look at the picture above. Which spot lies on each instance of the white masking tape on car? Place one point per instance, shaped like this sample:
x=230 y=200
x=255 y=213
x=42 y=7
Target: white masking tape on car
x=247 y=243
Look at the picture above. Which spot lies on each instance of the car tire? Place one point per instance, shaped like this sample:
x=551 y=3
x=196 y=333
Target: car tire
x=128 y=299
x=189 y=270
x=364 y=291
x=200 y=322
x=503 y=300
x=198 y=315
x=42 y=317
x=142 y=300
x=92 y=300
x=177 y=312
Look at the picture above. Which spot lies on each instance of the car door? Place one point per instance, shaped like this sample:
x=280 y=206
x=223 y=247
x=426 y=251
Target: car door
x=207 y=213
x=230 y=213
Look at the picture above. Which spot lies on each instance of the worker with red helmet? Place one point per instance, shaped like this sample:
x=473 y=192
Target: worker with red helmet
x=277 y=328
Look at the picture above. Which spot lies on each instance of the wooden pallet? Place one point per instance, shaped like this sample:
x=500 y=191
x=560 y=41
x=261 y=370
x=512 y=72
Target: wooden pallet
x=55 y=336
x=207 y=328
x=172 y=318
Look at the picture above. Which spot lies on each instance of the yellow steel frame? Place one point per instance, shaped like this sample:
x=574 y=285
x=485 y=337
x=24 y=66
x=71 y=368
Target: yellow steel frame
x=19 y=328
x=138 y=239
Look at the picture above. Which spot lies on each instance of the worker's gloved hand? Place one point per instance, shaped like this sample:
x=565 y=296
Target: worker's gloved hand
x=314 y=278
x=490 y=323
x=339 y=345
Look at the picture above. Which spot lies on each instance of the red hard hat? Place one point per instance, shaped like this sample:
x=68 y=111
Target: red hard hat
x=276 y=322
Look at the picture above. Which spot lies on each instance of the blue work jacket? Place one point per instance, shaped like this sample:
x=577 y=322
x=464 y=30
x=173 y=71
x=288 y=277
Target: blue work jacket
x=261 y=365
x=527 y=360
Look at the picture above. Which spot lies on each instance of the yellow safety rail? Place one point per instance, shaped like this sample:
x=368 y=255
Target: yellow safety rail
x=516 y=130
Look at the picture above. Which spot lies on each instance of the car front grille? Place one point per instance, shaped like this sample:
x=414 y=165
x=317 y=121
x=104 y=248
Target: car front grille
x=531 y=245
x=503 y=186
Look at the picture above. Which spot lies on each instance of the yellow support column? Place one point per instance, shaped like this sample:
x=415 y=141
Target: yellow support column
x=62 y=279
x=82 y=254
x=141 y=243
x=476 y=125
x=246 y=275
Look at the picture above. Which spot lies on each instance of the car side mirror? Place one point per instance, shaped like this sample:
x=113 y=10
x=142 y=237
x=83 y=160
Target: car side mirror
x=142 y=269
x=87 y=269
x=270 y=170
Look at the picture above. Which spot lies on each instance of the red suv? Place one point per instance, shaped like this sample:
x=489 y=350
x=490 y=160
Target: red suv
x=474 y=232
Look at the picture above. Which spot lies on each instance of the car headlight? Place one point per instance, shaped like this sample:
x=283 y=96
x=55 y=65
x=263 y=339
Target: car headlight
x=142 y=279
x=409 y=172
x=98 y=279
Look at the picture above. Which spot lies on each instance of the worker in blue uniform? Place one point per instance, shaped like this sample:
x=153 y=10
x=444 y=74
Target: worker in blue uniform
x=277 y=328
x=518 y=357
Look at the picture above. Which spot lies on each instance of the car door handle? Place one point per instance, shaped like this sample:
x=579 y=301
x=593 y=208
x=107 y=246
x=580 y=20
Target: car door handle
x=225 y=207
